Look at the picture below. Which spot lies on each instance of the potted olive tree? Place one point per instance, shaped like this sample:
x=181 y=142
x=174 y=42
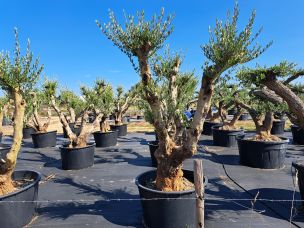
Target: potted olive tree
x=18 y=76
x=41 y=137
x=122 y=102
x=101 y=100
x=74 y=106
x=264 y=150
x=225 y=132
x=183 y=85
x=140 y=40
x=221 y=103
x=77 y=153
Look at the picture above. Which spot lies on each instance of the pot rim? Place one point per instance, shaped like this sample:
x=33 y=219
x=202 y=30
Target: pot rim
x=5 y=146
x=216 y=127
x=89 y=144
x=101 y=133
x=165 y=193
x=41 y=133
x=243 y=138
x=24 y=188
x=114 y=125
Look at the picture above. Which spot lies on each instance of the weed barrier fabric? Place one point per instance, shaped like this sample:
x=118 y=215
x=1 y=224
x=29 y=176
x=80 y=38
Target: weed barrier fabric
x=80 y=198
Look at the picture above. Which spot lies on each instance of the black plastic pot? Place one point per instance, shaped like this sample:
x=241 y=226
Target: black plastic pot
x=41 y=140
x=299 y=166
x=140 y=117
x=207 y=127
x=260 y=154
x=244 y=116
x=105 y=139
x=122 y=129
x=77 y=158
x=27 y=131
x=153 y=145
x=297 y=135
x=19 y=214
x=169 y=210
x=278 y=127
x=232 y=112
x=226 y=138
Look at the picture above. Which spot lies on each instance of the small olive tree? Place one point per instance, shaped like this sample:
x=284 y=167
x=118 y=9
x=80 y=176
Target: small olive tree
x=17 y=78
x=123 y=101
x=73 y=103
x=140 y=40
x=275 y=82
x=101 y=101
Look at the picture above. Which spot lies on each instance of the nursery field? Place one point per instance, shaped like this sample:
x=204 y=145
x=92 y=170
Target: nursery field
x=105 y=195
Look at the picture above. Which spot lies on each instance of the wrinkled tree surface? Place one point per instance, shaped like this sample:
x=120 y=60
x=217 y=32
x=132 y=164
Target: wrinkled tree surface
x=140 y=40
x=17 y=78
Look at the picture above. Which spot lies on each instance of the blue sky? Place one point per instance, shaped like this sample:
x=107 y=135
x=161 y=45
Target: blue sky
x=74 y=51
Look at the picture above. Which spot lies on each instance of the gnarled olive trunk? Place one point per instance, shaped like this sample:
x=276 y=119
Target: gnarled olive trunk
x=104 y=126
x=7 y=164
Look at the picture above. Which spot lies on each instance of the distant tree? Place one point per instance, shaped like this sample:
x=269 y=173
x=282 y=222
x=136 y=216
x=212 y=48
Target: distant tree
x=4 y=105
x=123 y=101
x=101 y=101
x=73 y=103
x=18 y=77
x=140 y=40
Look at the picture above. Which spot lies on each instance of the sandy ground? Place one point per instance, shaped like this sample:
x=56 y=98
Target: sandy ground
x=135 y=126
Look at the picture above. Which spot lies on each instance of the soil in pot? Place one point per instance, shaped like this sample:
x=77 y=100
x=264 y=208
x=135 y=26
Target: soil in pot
x=225 y=138
x=20 y=214
x=105 y=139
x=153 y=145
x=262 y=154
x=122 y=129
x=297 y=135
x=278 y=127
x=207 y=127
x=47 y=139
x=171 y=212
x=27 y=131
x=299 y=166
x=77 y=157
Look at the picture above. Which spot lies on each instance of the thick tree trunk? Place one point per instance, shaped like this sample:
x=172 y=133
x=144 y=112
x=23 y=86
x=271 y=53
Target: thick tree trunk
x=295 y=104
x=118 y=118
x=72 y=115
x=104 y=126
x=231 y=124
x=7 y=165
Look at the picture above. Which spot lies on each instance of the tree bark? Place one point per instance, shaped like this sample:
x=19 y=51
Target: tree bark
x=295 y=104
x=7 y=165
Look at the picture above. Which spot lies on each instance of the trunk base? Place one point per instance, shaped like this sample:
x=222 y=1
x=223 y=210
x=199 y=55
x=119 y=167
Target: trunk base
x=6 y=184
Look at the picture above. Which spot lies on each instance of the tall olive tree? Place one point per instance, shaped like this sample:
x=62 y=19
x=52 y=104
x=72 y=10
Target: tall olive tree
x=18 y=76
x=140 y=40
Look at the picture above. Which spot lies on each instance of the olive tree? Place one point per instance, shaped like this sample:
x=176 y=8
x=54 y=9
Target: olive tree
x=101 y=101
x=73 y=103
x=275 y=82
x=4 y=105
x=123 y=101
x=140 y=40
x=18 y=76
